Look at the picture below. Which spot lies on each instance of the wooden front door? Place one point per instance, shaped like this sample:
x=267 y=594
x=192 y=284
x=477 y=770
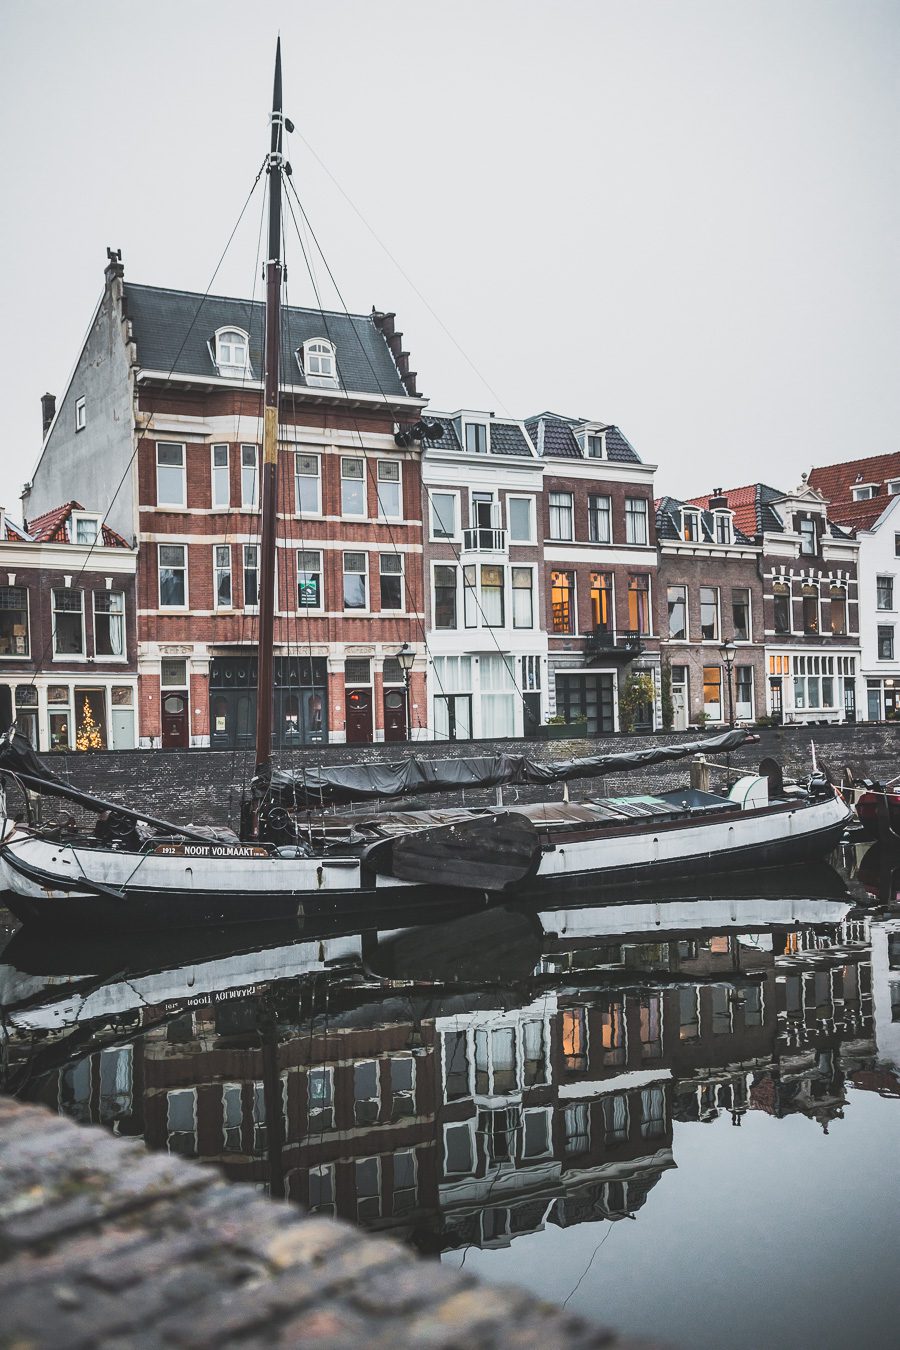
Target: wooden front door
x=395 y=715
x=175 y=733
x=358 y=716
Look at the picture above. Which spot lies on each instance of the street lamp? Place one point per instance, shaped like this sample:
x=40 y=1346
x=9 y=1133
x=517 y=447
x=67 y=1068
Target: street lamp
x=406 y=657
x=728 y=651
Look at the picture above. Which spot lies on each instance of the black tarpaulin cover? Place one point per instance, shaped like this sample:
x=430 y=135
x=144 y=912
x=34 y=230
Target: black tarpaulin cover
x=340 y=784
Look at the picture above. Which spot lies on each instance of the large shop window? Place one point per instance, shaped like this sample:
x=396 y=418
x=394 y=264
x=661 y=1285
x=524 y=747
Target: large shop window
x=814 y=685
x=13 y=621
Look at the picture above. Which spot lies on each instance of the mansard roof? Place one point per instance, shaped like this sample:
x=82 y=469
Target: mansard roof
x=174 y=331
x=668 y=521
x=754 y=508
x=555 y=438
x=55 y=527
x=836 y=483
x=506 y=438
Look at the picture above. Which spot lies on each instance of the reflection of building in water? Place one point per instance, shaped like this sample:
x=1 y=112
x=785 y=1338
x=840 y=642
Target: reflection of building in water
x=456 y=1118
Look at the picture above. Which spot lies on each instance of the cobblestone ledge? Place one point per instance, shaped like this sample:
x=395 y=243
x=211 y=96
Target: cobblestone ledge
x=104 y=1245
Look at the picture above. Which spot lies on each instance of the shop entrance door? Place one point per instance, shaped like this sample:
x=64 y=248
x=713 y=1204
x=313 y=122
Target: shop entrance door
x=395 y=714
x=175 y=733
x=358 y=716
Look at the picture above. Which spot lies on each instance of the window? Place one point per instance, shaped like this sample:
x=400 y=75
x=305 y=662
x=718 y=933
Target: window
x=309 y=579
x=492 y=586
x=636 y=520
x=476 y=438
x=181 y=1122
x=499 y=696
x=560 y=515
x=357 y=670
x=743 y=709
x=232 y=352
x=740 y=613
x=456 y=1065
x=390 y=567
x=651 y=1026
x=390 y=504
x=782 y=597
x=897 y=545
x=80 y=414
x=86 y=528
x=885 y=642
x=470 y=599
x=353 y=487
x=562 y=602
x=814 y=682
x=356 y=581
x=232 y=1115
x=712 y=692
x=109 y=623
x=599 y=520
x=173 y=673
x=884 y=590
x=170 y=477
x=459 y=1159
x=612 y=1032
x=444 y=512
x=250 y=477
x=522 y=597
x=520 y=519
x=709 y=613
x=810 y=595
x=601 y=602
x=403 y=1087
x=536 y=1133
x=172 y=576
x=807 y=537
x=321 y=1190
x=319 y=1101
x=534 y=1067
x=222 y=566
x=445 y=615
x=653 y=1112
x=260 y=1123
x=639 y=603
x=677 y=605
x=251 y=576
x=864 y=493
x=838 y=610
x=319 y=365
x=404 y=1190
x=221 y=484
x=366 y=1093
x=576 y=1129
x=893 y=486
x=721 y=1010
x=688 y=1014
x=595 y=446
x=690 y=526
x=13 y=621
x=723 y=528
x=307 y=476
x=68 y=623
x=616 y=1123
x=574 y=1039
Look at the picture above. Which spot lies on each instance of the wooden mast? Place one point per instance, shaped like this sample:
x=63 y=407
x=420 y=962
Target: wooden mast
x=269 y=474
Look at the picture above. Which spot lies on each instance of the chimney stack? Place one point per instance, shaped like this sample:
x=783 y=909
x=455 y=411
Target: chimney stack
x=48 y=410
x=718 y=501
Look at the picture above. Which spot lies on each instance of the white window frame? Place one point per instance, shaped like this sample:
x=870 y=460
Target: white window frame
x=307 y=454
x=20 y=656
x=379 y=1192
x=681 y=586
x=457 y=514
x=401 y=574
x=522 y=567
x=398 y=482
x=557 y=506
x=717 y=636
x=354 y=459
x=231 y=369
x=319 y=352
x=215 y=469
x=124 y=653
x=601 y=497
x=298 y=554
x=77 y=518
x=893 y=486
x=172 y=609
x=885 y=609
x=749 y=590
x=485 y=427
x=747 y=716
x=68 y=656
x=468 y=1125
x=594 y=436
x=80 y=413
x=217 y=569
x=631 y=517
x=249 y=609
x=457 y=577
x=722 y=520
x=366 y=607
x=547 y=1113
x=182 y=502
x=863 y=492
x=528 y=499
x=253 y=504
x=693 y=515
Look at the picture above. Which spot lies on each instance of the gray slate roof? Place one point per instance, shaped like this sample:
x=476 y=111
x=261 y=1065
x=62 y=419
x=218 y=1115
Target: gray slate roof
x=172 y=330
x=668 y=521
x=505 y=438
x=555 y=438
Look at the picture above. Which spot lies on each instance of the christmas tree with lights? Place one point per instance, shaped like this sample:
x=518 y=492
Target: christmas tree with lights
x=88 y=735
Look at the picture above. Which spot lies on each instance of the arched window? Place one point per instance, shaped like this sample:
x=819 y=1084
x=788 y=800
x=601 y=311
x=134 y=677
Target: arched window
x=318 y=363
x=233 y=352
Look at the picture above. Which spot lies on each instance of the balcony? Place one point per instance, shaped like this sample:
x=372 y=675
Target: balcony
x=605 y=645
x=481 y=539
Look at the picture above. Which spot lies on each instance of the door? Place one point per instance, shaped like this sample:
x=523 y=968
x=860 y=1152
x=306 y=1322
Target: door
x=395 y=714
x=358 y=716
x=679 y=698
x=532 y=702
x=123 y=728
x=850 y=700
x=175 y=735
x=453 y=717
x=775 y=699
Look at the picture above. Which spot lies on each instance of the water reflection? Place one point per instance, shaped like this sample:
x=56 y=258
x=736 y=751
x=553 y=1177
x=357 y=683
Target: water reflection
x=481 y=1079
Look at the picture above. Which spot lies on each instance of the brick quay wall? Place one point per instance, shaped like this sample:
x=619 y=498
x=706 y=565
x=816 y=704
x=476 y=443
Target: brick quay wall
x=206 y=785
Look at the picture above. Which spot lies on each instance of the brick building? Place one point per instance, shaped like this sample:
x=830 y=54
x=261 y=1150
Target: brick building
x=599 y=540
x=863 y=496
x=68 y=647
x=710 y=595
x=163 y=417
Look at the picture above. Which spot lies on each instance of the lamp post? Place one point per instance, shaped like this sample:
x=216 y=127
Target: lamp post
x=728 y=651
x=406 y=656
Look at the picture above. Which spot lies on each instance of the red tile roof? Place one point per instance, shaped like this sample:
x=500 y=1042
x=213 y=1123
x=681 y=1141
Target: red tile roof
x=836 y=481
x=13 y=531
x=53 y=526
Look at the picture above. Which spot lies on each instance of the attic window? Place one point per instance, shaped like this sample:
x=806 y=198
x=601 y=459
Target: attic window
x=893 y=486
x=233 y=352
x=595 y=446
x=476 y=438
x=85 y=529
x=723 y=528
x=865 y=492
x=318 y=363
x=690 y=526
x=80 y=414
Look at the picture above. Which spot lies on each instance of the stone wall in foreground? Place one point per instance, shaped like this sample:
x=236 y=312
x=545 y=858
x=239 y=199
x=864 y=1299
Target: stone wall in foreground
x=206 y=785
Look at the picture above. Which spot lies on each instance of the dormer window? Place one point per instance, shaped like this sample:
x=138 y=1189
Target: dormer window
x=233 y=352
x=476 y=438
x=893 y=486
x=864 y=492
x=85 y=529
x=807 y=530
x=690 y=526
x=318 y=363
x=722 y=528
x=595 y=447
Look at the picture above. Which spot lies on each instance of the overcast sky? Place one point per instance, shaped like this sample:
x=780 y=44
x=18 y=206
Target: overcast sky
x=679 y=217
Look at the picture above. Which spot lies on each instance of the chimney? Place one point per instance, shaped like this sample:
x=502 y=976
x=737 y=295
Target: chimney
x=114 y=267
x=718 y=501
x=48 y=410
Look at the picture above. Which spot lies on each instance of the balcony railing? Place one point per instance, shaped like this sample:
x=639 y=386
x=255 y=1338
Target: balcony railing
x=481 y=539
x=605 y=645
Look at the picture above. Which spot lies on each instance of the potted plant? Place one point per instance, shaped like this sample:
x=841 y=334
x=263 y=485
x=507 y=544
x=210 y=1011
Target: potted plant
x=636 y=692
x=556 y=728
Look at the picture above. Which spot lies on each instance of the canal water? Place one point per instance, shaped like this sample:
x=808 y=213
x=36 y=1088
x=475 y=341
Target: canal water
x=679 y=1116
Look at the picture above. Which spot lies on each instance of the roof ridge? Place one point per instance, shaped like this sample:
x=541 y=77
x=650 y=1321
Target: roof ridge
x=243 y=300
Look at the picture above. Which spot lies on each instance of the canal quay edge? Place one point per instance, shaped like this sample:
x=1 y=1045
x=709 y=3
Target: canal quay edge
x=209 y=782
x=105 y=1245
